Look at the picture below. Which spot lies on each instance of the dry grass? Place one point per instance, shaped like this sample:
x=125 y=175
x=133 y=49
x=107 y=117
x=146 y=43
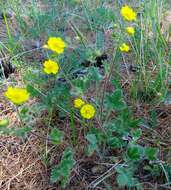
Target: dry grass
x=21 y=166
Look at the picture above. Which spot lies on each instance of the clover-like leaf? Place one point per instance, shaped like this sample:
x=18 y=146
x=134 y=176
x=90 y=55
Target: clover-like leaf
x=56 y=136
x=151 y=153
x=134 y=152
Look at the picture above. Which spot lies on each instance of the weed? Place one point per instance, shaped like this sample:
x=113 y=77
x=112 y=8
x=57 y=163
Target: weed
x=105 y=69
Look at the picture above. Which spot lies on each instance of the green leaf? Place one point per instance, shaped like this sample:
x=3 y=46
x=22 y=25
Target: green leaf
x=91 y=138
x=123 y=179
x=117 y=95
x=92 y=143
x=115 y=142
x=100 y=39
x=56 y=136
x=133 y=123
x=153 y=119
x=24 y=110
x=94 y=74
x=134 y=152
x=151 y=153
x=63 y=170
x=136 y=134
x=55 y=174
x=114 y=101
x=100 y=136
x=21 y=132
x=119 y=105
x=34 y=92
x=5 y=130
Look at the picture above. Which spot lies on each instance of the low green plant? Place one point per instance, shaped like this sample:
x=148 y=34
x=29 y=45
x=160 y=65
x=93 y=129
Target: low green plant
x=63 y=170
x=109 y=93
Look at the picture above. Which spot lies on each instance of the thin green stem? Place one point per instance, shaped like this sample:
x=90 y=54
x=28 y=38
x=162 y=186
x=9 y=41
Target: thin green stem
x=73 y=128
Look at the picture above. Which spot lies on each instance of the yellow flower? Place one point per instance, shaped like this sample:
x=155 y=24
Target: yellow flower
x=17 y=95
x=55 y=44
x=87 y=111
x=128 y=13
x=4 y=122
x=124 y=47
x=50 y=67
x=78 y=103
x=130 y=30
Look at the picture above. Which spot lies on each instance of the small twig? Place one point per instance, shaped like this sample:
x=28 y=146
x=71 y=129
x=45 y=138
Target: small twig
x=165 y=173
x=20 y=173
x=105 y=175
x=25 y=52
x=107 y=78
x=166 y=185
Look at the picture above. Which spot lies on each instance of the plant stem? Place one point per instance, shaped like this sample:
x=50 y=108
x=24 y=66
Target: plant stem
x=73 y=129
x=22 y=125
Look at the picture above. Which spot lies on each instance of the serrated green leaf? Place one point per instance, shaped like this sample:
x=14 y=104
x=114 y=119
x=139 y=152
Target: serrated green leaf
x=91 y=138
x=114 y=101
x=56 y=136
x=151 y=153
x=134 y=152
x=24 y=110
x=55 y=174
x=137 y=133
x=63 y=170
x=21 y=132
x=34 y=92
x=123 y=179
x=94 y=74
x=120 y=105
x=133 y=123
x=115 y=142
x=92 y=143
x=117 y=95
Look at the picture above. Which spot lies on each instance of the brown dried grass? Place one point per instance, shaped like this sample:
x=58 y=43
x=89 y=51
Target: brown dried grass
x=21 y=166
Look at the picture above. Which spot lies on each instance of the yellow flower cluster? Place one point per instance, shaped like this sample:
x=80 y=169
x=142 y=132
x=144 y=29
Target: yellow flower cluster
x=124 y=47
x=51 y=67
x=17 y=95
x=87 y=111
x=55 y=44
x=78 y=103
x=130 y=30
x=129 y=15
x=20 y=95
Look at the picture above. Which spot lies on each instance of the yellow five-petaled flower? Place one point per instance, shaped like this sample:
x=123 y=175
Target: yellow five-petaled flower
x=128 y=13
x=50 y=67
x=87 y=111
x=78 y=103
x=17 y=95
x=130 y=30
x=124 y=47
x=55 y=44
